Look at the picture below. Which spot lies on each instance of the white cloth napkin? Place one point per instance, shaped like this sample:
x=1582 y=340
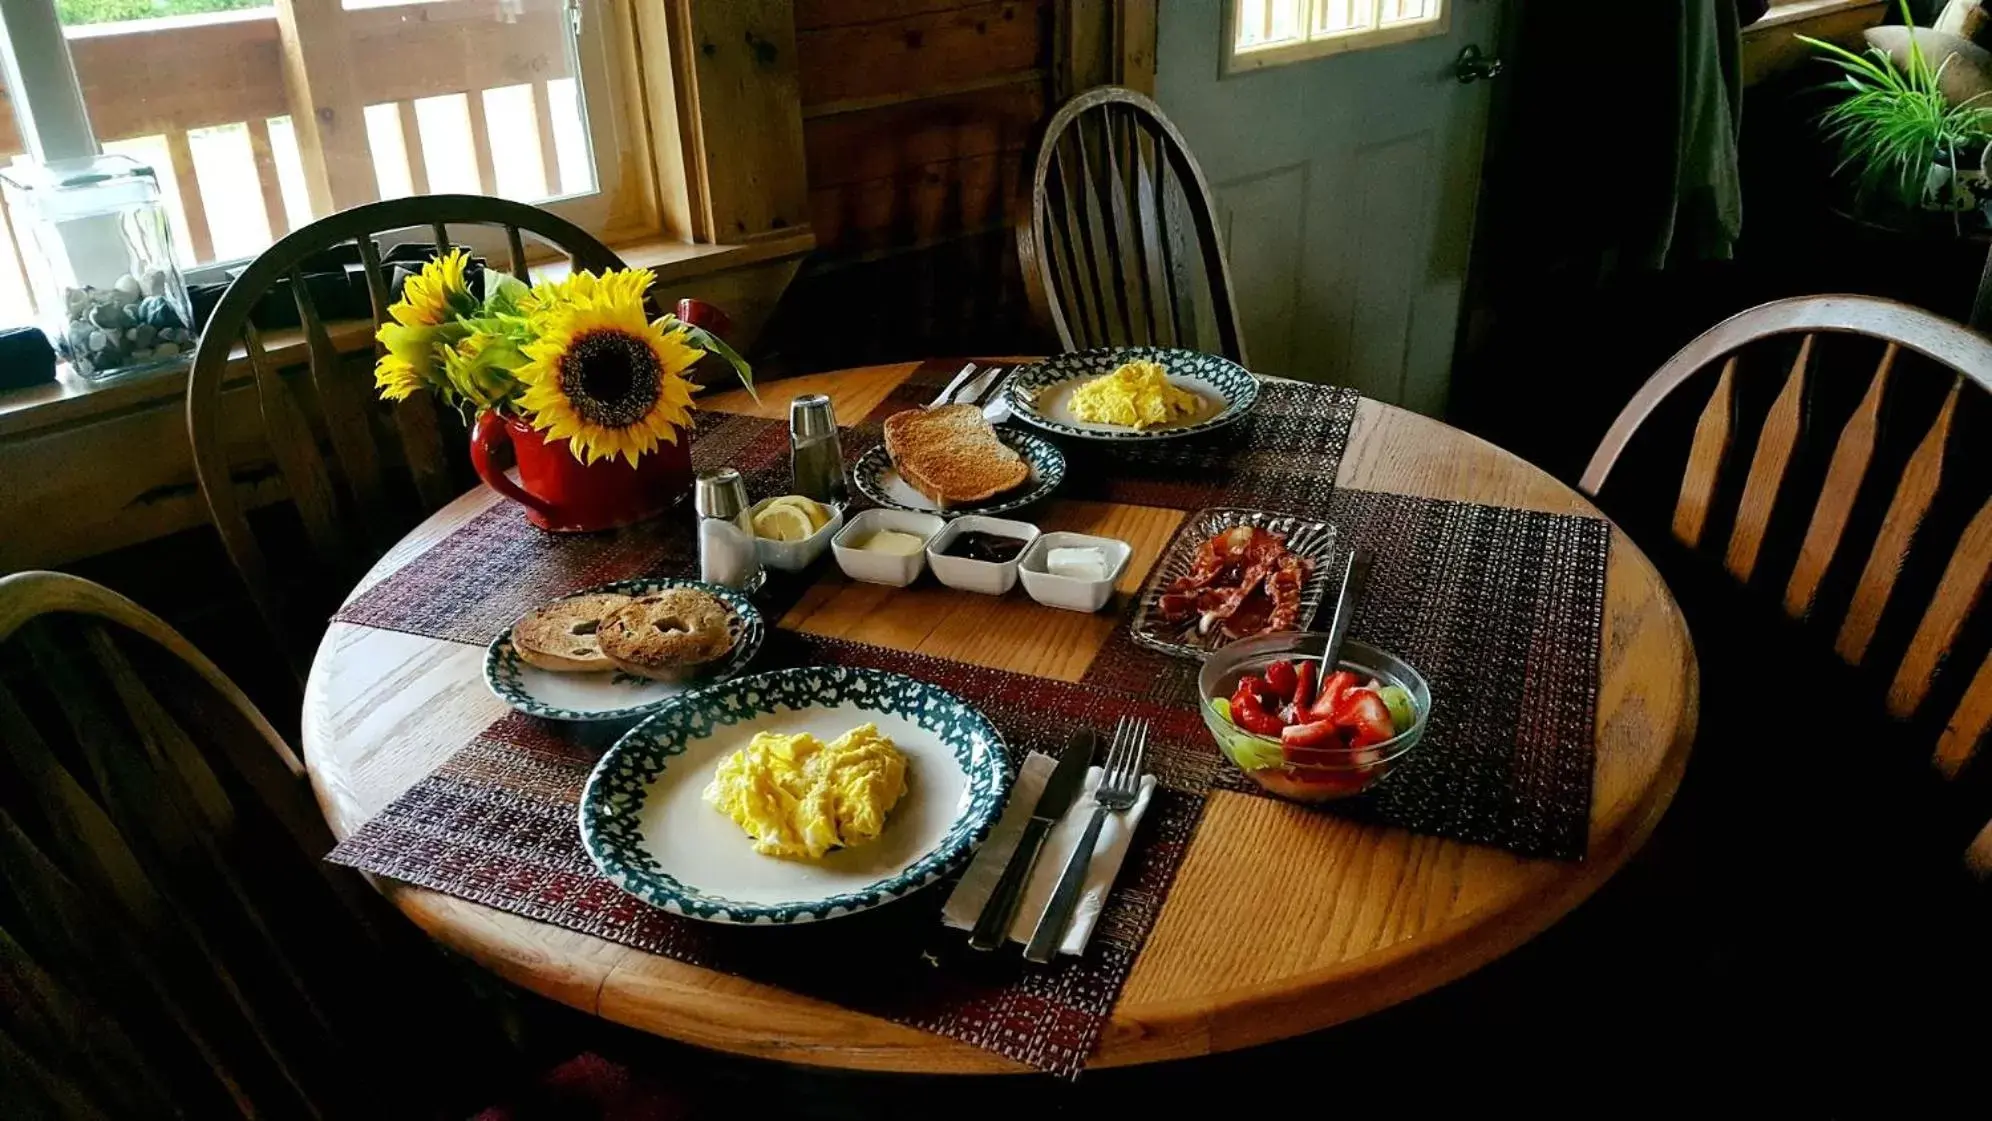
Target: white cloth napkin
x=980 y=880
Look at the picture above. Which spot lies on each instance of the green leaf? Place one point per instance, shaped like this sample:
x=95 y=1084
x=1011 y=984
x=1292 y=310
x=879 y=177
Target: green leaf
x=712 y=344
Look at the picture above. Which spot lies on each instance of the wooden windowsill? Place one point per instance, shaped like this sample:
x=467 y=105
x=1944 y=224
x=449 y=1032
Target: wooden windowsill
x=70 y=399
x=1783 y=15
x=1771 y=45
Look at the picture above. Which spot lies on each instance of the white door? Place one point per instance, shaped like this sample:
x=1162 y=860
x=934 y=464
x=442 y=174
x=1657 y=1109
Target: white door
x=1345 y=182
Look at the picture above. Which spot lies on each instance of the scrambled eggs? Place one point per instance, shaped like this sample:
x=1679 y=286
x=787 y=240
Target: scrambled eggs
x=798 y=796
x=1135 y=395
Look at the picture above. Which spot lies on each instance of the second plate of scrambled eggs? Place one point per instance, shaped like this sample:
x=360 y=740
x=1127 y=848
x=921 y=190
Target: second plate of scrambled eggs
x=795 y=795
x=1132 y=393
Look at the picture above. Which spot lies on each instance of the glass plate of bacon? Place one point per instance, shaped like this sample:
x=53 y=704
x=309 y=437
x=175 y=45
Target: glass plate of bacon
x=1232 y=573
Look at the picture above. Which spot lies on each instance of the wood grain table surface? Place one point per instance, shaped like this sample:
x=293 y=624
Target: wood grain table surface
x=1349 y=919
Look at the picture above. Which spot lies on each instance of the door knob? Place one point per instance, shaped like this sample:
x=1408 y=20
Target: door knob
x=1473 y=66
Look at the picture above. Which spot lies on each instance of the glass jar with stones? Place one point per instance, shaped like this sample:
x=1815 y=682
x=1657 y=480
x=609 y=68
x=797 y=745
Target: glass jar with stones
x=98 y=251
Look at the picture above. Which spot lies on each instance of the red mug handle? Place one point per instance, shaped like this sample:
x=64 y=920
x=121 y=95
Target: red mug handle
x=698 y=313
x=489 y=432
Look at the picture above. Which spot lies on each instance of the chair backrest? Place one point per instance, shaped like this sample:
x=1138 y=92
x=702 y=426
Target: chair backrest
x=170 y=942
x=1861 y=502
x=347 y=499
x=1121 y=246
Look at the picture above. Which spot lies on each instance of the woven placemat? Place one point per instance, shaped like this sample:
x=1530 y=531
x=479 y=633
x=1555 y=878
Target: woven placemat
x=1502 y=611
x=496 y=825
x=497 y=566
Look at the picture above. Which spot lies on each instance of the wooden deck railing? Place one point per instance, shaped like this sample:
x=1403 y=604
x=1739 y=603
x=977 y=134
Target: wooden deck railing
x=167 y=77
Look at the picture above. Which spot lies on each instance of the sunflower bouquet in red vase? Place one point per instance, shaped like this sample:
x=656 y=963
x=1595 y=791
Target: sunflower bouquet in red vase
x=588 y=390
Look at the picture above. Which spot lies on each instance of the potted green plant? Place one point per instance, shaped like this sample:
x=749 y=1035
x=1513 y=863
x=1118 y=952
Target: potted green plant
x=1905 y=142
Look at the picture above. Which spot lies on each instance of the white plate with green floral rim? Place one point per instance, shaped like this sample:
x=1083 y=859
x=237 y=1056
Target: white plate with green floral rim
x=1041 y=393
x=615 y=695
x=879 y=481
x=647 y=826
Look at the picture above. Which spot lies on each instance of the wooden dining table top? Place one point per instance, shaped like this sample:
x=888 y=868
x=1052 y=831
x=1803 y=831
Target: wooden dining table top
x=1345 y=918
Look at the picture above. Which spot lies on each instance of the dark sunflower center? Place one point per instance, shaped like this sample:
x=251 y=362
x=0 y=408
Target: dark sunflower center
x=612 y=378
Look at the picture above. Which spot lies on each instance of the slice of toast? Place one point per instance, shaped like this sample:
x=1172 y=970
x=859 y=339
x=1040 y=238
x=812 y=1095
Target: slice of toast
x=952 y=455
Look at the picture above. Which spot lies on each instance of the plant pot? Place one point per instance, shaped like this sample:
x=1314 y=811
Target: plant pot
x=564 y=495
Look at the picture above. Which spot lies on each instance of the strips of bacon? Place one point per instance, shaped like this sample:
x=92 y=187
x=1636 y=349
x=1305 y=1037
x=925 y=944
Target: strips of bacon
x=1243 y=580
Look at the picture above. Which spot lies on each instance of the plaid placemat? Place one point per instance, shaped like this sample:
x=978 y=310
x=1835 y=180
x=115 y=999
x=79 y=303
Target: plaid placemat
x=1502 y=611
x=496 y=824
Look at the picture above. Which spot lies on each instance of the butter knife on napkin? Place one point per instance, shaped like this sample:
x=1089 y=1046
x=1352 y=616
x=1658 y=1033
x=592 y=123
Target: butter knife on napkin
x=979 y=882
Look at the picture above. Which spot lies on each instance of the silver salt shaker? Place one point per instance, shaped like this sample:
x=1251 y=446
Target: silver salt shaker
x=727 y=554
x=816 y=457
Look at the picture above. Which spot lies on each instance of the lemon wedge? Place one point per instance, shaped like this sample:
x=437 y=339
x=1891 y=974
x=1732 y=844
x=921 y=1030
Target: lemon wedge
x=782 y=523
x=813 y=510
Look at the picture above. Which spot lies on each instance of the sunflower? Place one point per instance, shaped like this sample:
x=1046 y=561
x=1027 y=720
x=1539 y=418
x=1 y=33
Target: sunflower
x=602 y=377
x=437 y=293
x=479 y=369
x=409 y=363
x=616 y=286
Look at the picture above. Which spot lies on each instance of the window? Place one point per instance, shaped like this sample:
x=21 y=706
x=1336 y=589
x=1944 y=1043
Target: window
x=1271 y=32
x=259 y=117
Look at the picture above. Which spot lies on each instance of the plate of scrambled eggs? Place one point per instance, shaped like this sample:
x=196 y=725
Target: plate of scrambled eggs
x=1132 y=393
x=795 y=796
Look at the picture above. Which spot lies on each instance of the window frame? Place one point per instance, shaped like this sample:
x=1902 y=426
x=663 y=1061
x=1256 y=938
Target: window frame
x=624 y=206
x=1234 y=61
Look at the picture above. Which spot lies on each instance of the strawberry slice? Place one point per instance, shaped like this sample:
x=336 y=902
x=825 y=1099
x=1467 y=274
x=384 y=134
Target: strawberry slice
x=1283 y=678
x=1303 y=684
x=1321 y=733
x=1365 y=715
x=1330 y=692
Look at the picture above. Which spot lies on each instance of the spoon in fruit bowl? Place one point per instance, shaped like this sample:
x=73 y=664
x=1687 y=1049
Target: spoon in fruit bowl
x=1355 y=576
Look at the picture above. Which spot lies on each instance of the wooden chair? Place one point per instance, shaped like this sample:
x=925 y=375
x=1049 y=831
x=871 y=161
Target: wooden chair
x=1860 y=505
x=1121 y=244
x=171 y=943
x=348 y=463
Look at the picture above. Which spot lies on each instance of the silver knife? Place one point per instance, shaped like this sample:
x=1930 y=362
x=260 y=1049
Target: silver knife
x=947 y=395
x=992 y=927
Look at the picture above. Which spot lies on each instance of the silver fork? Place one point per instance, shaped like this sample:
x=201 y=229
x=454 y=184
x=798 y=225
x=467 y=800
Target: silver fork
x=1120 y=784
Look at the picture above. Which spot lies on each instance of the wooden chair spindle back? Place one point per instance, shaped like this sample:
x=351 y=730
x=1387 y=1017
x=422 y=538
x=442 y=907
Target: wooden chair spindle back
x=346 y=499
x=1122 y=245
x=1889 y=527
x=171 y=941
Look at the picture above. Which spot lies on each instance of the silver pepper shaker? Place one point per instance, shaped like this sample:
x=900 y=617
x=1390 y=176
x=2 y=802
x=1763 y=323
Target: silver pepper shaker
x=727 y=553
x=816 y=457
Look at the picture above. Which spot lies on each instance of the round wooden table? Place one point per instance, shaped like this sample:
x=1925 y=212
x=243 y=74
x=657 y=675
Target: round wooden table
x=1352 y=919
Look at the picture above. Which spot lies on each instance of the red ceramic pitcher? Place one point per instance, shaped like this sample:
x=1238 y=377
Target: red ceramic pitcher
x=562 y=494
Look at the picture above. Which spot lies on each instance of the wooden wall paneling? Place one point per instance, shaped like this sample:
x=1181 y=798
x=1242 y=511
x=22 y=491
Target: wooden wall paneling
x=891 y=140
x=1104 y=43
x=859 y=64
x=744 y=71
x=931 y=204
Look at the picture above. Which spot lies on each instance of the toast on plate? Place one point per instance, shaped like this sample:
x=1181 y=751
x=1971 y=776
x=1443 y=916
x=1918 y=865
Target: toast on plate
x=952 y=455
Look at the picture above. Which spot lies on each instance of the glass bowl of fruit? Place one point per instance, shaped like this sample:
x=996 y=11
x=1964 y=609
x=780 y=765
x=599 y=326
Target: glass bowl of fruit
x=1305 y=735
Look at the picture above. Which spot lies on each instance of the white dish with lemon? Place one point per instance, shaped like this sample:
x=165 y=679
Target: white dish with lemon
x=791 y=531
x=1133 y=393
x=649 y=827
